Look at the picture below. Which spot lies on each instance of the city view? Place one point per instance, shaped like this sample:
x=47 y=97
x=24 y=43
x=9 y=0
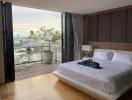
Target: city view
x=36 y=31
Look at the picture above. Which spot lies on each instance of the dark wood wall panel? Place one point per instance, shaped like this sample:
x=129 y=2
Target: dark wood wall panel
x=109 y=29
x=92 y=28
x=118 y=26
x=129 y=26
x=104 y=23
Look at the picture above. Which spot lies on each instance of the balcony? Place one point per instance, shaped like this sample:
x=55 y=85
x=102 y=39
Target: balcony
x=29 y=65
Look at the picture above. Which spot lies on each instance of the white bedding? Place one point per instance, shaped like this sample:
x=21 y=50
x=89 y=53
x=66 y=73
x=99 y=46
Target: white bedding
x=110 y=79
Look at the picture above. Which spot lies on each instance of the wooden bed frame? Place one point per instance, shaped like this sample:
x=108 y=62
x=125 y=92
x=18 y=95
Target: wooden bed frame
x=92 y=91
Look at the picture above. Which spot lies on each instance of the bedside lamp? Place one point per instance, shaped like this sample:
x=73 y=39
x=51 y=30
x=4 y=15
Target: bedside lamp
x=87 y=49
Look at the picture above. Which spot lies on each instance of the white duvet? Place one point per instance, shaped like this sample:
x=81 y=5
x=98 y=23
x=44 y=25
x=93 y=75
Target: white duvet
x=112 y=77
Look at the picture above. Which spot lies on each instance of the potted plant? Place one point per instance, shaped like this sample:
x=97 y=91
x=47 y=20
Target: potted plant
x=47 y=55
x=28 y=54
x=49 y=36
x=46 y=35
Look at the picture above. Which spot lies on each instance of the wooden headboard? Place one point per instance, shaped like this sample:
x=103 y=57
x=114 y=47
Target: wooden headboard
x=112 y=45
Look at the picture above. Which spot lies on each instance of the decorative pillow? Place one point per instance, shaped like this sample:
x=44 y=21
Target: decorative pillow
x=110 y=55
x=103 y=54
x=122 y=56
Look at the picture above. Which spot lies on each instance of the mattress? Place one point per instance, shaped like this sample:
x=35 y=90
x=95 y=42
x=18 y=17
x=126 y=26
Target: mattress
x=111 y=78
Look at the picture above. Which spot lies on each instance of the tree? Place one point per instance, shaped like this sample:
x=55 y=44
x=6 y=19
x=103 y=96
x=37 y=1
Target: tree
x=33 y=35
x=44 y=33
x=47 y=34
x=56 y=36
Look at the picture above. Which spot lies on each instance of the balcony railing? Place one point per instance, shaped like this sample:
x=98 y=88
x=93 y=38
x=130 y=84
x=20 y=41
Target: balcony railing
x=21 y=56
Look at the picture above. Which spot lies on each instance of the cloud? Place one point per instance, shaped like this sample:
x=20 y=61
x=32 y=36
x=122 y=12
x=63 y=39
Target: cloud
x=26 y=19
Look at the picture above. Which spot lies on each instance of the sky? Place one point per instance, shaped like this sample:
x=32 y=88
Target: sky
x=26 y=19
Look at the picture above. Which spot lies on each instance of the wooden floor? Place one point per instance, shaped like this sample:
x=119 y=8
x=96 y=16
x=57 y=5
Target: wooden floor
x=44 y=87
x=23 y=71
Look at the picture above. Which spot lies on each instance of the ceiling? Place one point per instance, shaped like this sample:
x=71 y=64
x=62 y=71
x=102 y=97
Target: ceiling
x=73 y=6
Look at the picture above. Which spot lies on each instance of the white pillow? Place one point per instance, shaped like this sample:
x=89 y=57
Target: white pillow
x=103 y=54
x=124 y=57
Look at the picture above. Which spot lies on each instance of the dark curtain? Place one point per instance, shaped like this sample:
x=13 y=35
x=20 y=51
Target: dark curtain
x=2 y=63
x=67 y=38
x=9 y=48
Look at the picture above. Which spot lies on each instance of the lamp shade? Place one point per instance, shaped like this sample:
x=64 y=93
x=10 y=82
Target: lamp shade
x=87 y=47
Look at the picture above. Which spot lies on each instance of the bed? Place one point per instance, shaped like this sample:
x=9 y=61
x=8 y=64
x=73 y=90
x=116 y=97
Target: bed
x=107 y=83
